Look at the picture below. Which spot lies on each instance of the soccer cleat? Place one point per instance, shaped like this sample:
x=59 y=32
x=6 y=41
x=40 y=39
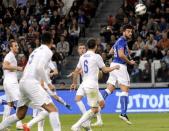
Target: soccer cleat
x=74 y=128
x=68 y=106
x=98 y=123
x=25 y=127
x=125 y=118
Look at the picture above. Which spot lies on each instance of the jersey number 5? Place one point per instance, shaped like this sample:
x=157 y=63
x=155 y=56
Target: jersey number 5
x=86 y=66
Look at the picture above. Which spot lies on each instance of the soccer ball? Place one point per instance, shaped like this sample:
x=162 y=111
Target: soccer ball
x=140 y=9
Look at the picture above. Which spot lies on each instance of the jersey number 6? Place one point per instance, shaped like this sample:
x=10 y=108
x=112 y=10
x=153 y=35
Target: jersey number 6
x=86 y=66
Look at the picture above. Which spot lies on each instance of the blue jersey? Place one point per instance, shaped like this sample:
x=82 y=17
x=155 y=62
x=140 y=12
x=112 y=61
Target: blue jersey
x=121 y=43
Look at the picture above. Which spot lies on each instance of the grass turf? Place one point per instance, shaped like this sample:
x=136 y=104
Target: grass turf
x=141 y=122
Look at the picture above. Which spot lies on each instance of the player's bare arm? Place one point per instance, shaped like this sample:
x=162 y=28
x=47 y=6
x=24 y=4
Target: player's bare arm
x=8 y=66
x=124 y=57
x=75 y=76
x=109 y=69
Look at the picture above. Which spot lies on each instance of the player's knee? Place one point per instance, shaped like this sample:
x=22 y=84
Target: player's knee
x=95 y=109
x=50 y=108
x=78 y=98
x=102 y=104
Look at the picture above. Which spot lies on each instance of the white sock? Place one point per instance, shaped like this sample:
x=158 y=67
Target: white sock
x=54 y=121
x=99 y=118
x=8 y=121
x=19 y=124
x=41 y=125
x=81 y=106
x=86 y=116
x=108 y=91
x=35 y=113
x=41 y=115
x=61 y=100
x=7 y=111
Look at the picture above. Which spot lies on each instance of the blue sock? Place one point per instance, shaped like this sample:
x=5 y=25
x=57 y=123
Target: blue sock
x=124 y=103
x=104 y=94
x=4 y=102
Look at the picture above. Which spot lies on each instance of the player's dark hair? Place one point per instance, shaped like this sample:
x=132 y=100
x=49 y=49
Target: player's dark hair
x=91 y=43
x=128 y=26
x=46 y=38
x=11 y=43
x=81 y=44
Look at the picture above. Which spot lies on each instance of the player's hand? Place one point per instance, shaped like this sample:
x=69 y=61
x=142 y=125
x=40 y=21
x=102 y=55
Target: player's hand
x=51 y=87
x=132 y=62
x=19 y=68
x=116 y=67
x=73 y=86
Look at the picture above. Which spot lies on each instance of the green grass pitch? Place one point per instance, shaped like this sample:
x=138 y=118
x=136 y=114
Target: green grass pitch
x=141 y=122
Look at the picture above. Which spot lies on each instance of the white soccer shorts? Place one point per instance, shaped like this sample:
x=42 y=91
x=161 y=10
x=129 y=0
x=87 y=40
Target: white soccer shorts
x=12 y=91
x=120 y=76
x=31 y=91
x=81 y=92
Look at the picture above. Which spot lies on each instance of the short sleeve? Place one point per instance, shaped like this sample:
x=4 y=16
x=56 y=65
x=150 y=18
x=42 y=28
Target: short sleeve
x=79 y=64
x=8 y=58
x=100 y=62
x=121 y=45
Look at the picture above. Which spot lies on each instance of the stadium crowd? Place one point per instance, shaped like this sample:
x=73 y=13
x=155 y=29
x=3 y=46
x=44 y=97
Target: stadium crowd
x=26 y=20
x=150 y=43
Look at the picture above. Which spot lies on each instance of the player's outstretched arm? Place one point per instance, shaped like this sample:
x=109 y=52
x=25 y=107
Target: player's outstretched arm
x=109 y=69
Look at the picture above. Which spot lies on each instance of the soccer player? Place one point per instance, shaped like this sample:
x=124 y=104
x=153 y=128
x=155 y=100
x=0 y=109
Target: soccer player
x=89 y=63
x=80 y=92
x=52 y=70
x=10 y=83
x=30 y=87
x=121 y=76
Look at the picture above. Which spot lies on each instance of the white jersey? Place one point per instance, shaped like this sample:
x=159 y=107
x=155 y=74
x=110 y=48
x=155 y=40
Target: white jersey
x=51 y=66
x=10 y=76
x=40 y=57
x=90 y=63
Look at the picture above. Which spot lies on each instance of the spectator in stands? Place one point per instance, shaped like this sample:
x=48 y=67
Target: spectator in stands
x=162 y=73
x=74 y=31
x=151 y=42
x=136 y=74
x=163 y=24
x=81 y=22
x=163 y=44
x=14 y=28
x=55 y=18
x=146 y=73
x=146 y=53
x=63 y=46
x=23 y=29
x=166 y=59
x=44 y=22
x=120 y=15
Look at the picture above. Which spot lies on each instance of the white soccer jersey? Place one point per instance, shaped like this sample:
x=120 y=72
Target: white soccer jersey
x=10 y=76
x=90 y=63
x=38 y=58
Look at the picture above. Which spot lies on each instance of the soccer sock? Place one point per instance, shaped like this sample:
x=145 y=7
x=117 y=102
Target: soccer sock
x=81 y=106
x=105 y=93
x=8 y=121
x=3 y=102
x=7 y=111
x=41 y=125
x=19 y=124
x=86 y=116
x=61 y=101
x=99 y=118
x=41 y=115
x=124 y=102
x=35 y=113
x=54 y=121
